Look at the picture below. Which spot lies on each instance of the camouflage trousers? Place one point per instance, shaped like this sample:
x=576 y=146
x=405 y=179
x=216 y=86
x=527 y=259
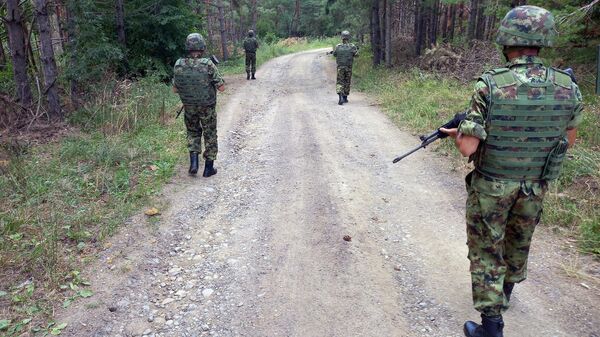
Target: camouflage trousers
x=501 y=218
x=344 y=77
x=250 y=62
x=202 y=121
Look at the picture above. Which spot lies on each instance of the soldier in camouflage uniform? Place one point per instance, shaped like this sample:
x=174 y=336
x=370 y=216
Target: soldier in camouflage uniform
x=250 y=47
x=521 y=121
x=344 y=53
x=196 y=80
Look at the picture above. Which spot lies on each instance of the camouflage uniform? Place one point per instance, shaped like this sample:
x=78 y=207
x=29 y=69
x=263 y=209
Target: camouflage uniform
x=250 y=47
x=502 y=213
x=201 y=117
x=344 y=53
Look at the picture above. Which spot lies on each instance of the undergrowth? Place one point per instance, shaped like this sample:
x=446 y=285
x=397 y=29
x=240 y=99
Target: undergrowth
x=420 y=102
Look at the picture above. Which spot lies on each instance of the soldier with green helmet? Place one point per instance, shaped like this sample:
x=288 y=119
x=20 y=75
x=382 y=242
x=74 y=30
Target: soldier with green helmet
x=520 y=123
x=196 y=80
x=344 y=54
x=250 y=47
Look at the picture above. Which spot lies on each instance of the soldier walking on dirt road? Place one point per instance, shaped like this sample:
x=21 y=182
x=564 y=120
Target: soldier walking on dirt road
x=344 y=54
x=196 y=80
x=520 y=123
x=250 y=47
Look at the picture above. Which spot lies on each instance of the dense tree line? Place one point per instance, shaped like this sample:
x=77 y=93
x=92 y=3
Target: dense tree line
x=53 y=52
x=424 y=24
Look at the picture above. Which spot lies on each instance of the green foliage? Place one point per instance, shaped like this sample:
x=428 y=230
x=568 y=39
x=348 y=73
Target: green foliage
x=7 y=83
x=155 y=32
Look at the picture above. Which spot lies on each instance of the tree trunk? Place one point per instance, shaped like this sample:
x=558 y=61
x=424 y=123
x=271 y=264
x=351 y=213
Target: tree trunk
x=452 y=22
x=388 y=33
x=16 y=37
x=254 y=13
x=72 y=46
x=296 y=20
x=419 y=28
x=120 y=18
x=57 y=40
x=375 y=32
x=472 y=20
x=47 y=59
x=481 y=20
x=209 y=29
x=223 y=32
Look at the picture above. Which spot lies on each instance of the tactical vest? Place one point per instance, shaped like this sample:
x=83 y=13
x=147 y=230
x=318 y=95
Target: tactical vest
x=250 y=45
x=194 y=83
x=526 y=126
x=344 y=54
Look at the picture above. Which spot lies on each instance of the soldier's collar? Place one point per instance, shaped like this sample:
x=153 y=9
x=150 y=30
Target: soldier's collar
x=521 y=60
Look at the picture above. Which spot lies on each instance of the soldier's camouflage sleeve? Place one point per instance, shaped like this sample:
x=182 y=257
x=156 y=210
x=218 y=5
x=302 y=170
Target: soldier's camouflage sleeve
x=577 y=115
x=217 y=79
x=335 y=50
x=474 y=124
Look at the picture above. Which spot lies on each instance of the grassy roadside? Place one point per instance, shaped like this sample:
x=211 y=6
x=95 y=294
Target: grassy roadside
x=420 y=102
x=58 y=201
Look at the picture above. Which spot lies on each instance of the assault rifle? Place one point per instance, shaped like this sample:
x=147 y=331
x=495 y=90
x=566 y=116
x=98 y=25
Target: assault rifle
x=437 y=134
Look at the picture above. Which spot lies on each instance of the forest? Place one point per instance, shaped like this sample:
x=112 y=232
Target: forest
x=53 y=52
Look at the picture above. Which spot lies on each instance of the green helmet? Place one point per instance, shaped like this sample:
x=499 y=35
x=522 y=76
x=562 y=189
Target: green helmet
x=251 y=33
x=195 y=42
x=527 y=26
x=345 y=35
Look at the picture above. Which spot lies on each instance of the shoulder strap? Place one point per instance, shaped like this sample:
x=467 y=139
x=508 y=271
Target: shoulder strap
x=561 y=78
x=503 y=77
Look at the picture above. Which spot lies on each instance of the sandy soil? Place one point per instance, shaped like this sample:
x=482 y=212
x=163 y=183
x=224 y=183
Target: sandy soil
x=258 y=249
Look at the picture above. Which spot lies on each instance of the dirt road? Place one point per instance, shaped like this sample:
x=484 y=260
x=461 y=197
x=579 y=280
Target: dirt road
x=258 y=249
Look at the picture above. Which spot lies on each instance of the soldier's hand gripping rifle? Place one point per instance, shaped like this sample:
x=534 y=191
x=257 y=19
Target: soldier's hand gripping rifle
x=437 y=134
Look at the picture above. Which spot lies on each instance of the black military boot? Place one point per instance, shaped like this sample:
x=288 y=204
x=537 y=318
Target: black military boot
x=193 y=163
x=491 y=326
x=209 y=170
x=508 y=288
x=345 y=98
x=341 y=100
x=247 y=75
x=253 y=76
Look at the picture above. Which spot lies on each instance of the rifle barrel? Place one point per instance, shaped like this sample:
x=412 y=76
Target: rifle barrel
x=422 y=146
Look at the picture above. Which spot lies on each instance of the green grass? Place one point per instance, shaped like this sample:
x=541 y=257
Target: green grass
x=420 y=102
x=60 y=200
x=266 y=52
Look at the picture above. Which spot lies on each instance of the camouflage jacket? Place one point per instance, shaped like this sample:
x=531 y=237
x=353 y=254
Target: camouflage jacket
x=345 y=53
x=528 y=69
x=197 y=93
x=250 y=45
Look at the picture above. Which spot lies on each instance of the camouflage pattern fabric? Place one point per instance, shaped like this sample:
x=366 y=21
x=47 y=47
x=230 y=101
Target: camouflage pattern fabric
x=527 y=26
x=250 y=63
x=344 y=77
x=250 y=45
x=501 y=219
x=202 y=90
x=201 y=121
x=195 y=42
x=502 y=214
x=527 y=69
